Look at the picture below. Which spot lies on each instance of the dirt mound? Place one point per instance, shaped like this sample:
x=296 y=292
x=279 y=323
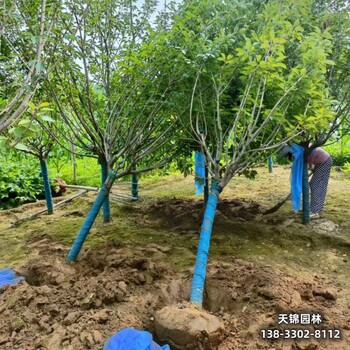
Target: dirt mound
x=187 y=214
x=53 y=272
x=62 y=306
x=79 y=306
x=187 y=327
x=250 y=298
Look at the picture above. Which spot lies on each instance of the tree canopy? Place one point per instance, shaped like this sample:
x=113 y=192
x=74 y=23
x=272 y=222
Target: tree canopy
x=257 y=75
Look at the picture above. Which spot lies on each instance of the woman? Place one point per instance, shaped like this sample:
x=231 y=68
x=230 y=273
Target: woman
x=321 y=163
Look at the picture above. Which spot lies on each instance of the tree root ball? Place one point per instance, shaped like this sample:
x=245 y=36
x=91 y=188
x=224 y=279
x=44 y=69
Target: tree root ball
x=188 y=328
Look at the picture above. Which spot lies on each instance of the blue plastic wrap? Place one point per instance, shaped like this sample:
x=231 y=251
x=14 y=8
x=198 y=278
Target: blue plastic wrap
x=132 y=339
x=8 y=276
x=47 y=186
x=203 y=248
x=199 y=172
x=85 y=229
x=105 y=208
x=306 y=195
x=270 y=164
x=134 y=186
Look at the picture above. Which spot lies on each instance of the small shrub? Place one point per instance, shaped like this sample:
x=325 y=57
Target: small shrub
x=340 y=160
x=19 y=183
x=346 y=168
x=340 y=151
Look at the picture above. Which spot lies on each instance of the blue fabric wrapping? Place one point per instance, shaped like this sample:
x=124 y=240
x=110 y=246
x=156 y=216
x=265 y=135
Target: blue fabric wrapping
x=199 y=169
x=105 y=208
x=284 y=152
x=134 y=186
x=306 y=195
x=297 y=176
x=8 y=276
x=85 y=229
x=47 y=186
x=200 y=268
x=132 y=339
x=270 y=164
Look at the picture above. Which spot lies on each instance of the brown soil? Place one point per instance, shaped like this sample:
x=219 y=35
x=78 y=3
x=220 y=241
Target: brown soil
x=78 y=306
x=187 y=214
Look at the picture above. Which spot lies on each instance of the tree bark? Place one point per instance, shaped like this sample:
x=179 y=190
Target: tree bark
x=74 y=162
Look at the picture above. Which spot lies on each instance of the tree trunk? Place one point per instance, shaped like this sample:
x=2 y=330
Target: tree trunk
x=206 y=185
x=134 y=186
x=270 y=164
x=90 y=218
x=306 y=195
x=47 y=186
x=203 y=247
x=74 y=162
x=104 y=173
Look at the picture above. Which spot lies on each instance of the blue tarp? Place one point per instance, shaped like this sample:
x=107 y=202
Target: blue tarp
x=132 y=339
x=8 y=276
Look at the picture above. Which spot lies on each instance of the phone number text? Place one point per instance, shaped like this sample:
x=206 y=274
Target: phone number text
x=300 y=334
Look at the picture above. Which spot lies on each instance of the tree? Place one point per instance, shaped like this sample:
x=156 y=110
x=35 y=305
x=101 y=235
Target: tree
x=109 y=84
x=31 y=35
x=257 y=71
x=119 y=98
x=29 y=137
x=332 y=18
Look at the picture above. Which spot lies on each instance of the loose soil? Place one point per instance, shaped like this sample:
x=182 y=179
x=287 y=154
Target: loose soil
x=259 y=267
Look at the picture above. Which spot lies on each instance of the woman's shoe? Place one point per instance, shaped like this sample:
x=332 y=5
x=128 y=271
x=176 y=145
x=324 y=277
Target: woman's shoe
x=314 y=215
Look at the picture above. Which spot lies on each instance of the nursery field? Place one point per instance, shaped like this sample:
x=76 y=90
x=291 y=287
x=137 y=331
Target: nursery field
x=260 y=266
x=114 y=114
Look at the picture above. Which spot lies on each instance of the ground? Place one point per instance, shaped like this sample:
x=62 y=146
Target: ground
x=259 y=266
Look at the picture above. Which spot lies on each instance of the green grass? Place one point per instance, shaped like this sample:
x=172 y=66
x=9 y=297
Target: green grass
x=88 y=172
x=13 y=249
x=256 y=240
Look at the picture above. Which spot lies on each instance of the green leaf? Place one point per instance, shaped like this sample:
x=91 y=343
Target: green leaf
x=24 y=122
x=22 y=147
x=46 y=118
x=3 y=141
x=31 y=105
x=39 y=67
x=43 y=104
